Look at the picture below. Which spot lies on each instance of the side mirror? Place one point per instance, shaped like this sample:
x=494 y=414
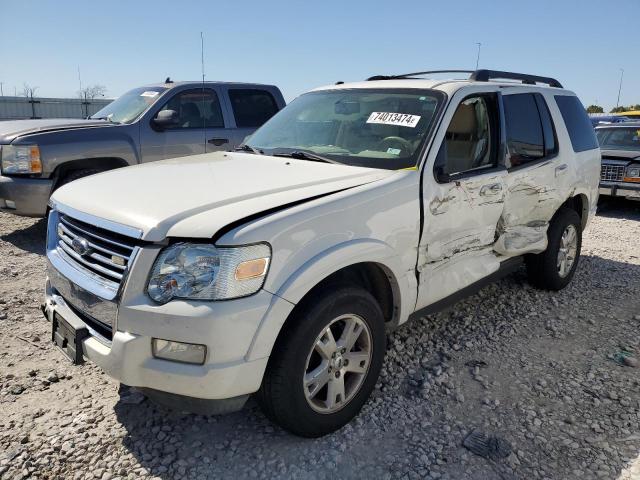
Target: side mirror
x=166 y=118
x=441 y=176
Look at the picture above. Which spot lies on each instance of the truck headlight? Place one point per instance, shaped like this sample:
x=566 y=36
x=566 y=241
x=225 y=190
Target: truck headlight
x=204 y=272
x=21 y=159
x=632 y=174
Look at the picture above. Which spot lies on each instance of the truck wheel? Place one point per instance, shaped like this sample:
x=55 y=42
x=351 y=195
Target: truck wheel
x=326 y=363
x=77 y=174
x=554 y=268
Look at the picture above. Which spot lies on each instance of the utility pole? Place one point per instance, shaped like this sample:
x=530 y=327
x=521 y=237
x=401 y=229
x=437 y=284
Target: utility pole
x=620 y=87
x=1 y=91
x=202 y=54
x=478 y=57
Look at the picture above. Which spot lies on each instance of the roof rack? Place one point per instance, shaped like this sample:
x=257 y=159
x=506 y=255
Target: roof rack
x=481 y=76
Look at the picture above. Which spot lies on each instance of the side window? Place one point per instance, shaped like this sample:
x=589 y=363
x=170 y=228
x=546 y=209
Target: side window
x=548 y=128
x=251 y=107
x=577 y=122
x=471 y=139
x=525 y=137
x=196 y=109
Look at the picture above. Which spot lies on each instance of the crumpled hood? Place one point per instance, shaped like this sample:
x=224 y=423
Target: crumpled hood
x=197 y=196
x=11 y=129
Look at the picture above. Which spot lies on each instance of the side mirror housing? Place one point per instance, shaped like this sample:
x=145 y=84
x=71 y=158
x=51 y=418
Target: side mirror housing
x=441 y=176
x=166 y=118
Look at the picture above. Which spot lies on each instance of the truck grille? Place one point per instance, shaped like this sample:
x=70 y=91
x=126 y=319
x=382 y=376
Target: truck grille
x=97 y=251
x=612 y=173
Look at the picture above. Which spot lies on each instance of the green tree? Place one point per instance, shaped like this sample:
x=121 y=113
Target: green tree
x=595 y=109
x=618 y=109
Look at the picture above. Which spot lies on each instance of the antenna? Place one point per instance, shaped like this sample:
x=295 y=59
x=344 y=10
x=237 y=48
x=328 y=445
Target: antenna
x=202 y=54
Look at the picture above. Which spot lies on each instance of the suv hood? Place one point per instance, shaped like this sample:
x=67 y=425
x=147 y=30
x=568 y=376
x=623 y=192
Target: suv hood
x=197 y=196
x=11 y=129
x=621 y=154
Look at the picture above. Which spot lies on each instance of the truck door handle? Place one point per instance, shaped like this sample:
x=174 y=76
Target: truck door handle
x=218 y=141
x=561 y=169
x=492 y=189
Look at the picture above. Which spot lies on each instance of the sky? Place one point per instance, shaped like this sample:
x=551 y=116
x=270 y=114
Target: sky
x=299 y=45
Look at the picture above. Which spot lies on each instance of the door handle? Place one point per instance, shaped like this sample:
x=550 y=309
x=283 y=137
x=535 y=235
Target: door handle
x=492 y=189
x=218 y=141
x=561 y=169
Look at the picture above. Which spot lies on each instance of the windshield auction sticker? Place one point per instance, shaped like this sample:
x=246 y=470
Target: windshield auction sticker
x=149 y=93
x=389 y=118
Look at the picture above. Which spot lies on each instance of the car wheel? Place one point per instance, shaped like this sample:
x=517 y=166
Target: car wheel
x=554 y=268
x=77 y=174
x=325 y=363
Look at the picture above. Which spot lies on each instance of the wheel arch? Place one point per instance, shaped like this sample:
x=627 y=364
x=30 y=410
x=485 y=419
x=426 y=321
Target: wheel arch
x=381 y=275
x=578 y=202
x=104 y=164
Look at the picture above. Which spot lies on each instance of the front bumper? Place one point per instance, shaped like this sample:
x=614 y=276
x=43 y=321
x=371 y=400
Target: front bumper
x=25 y=196
x=620 y=189
x=128 y=357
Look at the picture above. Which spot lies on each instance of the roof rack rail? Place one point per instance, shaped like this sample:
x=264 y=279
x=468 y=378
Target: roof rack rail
x=480 y=76
x=486 y=75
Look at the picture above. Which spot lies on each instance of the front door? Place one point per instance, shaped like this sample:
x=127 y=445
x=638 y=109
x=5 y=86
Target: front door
x=463 y=200
x=187 y=136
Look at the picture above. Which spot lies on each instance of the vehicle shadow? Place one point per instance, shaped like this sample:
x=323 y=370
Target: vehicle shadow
x=32 y=238
x=615 y=207
x=246 y=444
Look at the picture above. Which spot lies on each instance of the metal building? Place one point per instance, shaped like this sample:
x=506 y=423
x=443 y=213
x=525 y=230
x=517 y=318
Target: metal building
x=12 y=108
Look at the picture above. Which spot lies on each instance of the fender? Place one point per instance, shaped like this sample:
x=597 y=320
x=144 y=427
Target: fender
x=321 y=266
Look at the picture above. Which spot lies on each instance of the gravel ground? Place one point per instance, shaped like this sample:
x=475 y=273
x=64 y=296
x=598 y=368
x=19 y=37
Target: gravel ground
x=551 y=375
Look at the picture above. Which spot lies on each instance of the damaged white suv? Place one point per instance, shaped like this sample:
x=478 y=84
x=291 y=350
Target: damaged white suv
x=276 y=270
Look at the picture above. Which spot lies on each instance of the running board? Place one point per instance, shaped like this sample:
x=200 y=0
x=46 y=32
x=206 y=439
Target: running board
x=508 y=266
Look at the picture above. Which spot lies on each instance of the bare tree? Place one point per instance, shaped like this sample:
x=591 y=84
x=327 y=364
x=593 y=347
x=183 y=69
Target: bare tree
x=92 y=91
x=29 y=91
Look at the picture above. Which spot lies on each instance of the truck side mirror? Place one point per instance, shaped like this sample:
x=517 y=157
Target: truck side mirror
x=166 y=119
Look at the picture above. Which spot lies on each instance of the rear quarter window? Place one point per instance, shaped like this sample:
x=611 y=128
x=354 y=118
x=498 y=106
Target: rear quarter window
x=252 y=107
x=578 y=124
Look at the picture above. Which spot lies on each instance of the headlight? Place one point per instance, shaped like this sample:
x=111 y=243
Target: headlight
x=632 y=174
x=21 y=159
x=205 y=272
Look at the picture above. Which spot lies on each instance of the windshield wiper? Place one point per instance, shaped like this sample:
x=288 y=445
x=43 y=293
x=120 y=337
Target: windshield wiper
x=104 y=118
x=304 y=155
x=248 y=148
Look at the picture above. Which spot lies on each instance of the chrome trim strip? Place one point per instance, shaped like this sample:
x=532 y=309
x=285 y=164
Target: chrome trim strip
x=65 y=222
x=99 y=222
x=69 y=251
x=95 y=246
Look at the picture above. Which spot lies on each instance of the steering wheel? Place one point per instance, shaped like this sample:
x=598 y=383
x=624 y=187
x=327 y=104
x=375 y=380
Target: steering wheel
x=396 y=142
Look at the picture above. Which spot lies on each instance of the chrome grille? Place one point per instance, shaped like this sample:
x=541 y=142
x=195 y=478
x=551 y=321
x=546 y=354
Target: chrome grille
x=98 y=252
x=612 y=173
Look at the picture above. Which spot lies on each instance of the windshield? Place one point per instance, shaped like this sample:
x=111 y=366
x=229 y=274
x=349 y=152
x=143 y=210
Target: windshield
x=619 y=138
x=381 y=128
x=129 y=106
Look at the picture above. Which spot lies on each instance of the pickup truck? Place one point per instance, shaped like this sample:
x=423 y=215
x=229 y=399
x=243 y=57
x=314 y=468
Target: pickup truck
x=154 y=122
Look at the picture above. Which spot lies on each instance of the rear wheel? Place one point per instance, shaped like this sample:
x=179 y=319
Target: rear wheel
x=554 y=268
x=326 y=363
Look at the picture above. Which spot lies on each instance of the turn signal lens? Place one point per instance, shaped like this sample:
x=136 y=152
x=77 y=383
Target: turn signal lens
x=252 y=269
x=36 y=164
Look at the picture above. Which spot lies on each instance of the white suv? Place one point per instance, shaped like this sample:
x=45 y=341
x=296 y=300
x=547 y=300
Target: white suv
x=276 y=270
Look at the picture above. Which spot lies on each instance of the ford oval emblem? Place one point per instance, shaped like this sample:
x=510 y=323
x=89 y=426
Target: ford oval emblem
x=80 y=246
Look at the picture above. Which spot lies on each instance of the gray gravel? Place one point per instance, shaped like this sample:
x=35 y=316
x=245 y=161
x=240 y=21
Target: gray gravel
x=553 y=377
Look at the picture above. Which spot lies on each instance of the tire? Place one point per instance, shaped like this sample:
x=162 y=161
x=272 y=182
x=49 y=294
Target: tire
x=282 y=394
x=77 y=174
x=544 y=269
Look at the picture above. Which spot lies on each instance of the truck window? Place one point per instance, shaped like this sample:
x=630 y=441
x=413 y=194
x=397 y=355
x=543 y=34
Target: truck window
x=252 y=107
x=525 y=138
x=470 y=141
x=577 y=122
x=196 y=108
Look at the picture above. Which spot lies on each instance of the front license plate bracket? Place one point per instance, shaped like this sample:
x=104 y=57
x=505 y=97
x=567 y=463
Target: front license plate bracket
x=68 y=338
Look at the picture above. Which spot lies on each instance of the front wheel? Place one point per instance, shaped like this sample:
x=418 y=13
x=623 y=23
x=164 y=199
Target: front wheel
x=326 y=362
x=554 y=268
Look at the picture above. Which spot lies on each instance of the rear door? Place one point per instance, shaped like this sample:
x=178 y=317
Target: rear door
x=187 y=137
x=538 y=174
x=250 y=108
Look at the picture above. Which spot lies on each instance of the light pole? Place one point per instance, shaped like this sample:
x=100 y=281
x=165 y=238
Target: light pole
x=620 y=87
x=478 y=56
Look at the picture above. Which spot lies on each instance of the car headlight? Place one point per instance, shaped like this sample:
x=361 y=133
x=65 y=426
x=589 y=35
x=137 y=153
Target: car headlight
x=632 y=174
x=205 y=272
x=21 y=159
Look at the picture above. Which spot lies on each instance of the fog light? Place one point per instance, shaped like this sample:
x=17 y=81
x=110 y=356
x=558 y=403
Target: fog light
x=179 y=351
x=10 y=204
